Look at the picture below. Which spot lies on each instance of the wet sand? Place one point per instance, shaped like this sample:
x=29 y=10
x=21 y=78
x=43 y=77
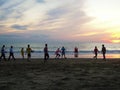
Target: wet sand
x=60 y=74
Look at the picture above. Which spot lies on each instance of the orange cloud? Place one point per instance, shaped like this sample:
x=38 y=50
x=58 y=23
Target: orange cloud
x=85 y=34
x=115 y=37
x=115 y=41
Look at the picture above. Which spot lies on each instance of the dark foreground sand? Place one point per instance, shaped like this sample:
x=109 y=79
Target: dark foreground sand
x=69 y=74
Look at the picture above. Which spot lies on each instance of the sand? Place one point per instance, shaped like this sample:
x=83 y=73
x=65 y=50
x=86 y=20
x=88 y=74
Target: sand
x=62 y=74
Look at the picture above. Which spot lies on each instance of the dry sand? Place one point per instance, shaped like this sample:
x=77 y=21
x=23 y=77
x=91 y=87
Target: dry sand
x=68 y=74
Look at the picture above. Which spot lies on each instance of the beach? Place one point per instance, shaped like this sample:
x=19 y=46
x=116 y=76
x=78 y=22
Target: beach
x=60 y=44
x=60 y=74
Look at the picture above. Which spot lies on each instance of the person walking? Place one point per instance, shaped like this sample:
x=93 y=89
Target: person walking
x=3 y=53
x=95 y=52
x=22 y=53
x=75 y=52
x=103 y=51
x=11 y=53
x=57 y=52
x=63 y=52
x=46 y=54
x=28 y=51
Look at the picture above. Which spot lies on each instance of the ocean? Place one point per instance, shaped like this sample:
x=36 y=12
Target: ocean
x=85 y=49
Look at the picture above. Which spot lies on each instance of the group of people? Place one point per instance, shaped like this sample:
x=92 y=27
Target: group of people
x=46 y=54
x=103 y=51
x=28 y=52
x=59 y=52
x=11 y=53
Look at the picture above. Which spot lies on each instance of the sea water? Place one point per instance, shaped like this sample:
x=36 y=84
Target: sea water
x=85 y=49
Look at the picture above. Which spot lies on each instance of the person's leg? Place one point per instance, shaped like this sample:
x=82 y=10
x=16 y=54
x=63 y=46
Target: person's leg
x=103 y=56
x=64 y=56
x=22 y=56
x=44 y=56
x=13 y=56
x=28 y=58
x=4 y=57
x=9 y=56
x=58 y=55
x=95 y=55
x=47 y=56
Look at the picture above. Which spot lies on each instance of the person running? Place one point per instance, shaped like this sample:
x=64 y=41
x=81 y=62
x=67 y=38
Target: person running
x=104 y=51
x=3 y=53
x=11 y=53
x=22 y=52
x=63 y=52
x=75 y=52
x=57 y=52
x=28 y=51
x=95 y=52
x=46 y=54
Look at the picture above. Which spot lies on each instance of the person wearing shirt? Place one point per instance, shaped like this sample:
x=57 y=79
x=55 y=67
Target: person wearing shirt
x=103 y=51
x=63 y=52
x=28 y=51
x=22 y=52
x=57 y=52
x=11 y=53
x=3 y=53
x=95 y=52
x=46 y=54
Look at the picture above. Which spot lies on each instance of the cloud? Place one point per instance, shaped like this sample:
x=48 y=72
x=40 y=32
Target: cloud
x=2 y=2
x=57 y=12
x=13 y=38
x=2 y=26
x=40 y=1
x=47 y=18
x=65 y=17
x=19 y=27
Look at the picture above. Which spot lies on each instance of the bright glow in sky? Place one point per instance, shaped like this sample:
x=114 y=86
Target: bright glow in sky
x=42 y=20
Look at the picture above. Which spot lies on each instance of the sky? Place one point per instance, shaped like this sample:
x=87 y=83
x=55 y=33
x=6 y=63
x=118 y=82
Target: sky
x=60 y=20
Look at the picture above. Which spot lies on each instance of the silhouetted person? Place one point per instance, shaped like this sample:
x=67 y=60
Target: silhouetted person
x=3 y=53
x=28 y=51
x=22 y=53
x=96 y=52
x=46 y=55
x=75 y=52
x=57 y=52
x=63 y=52
x=104 y=51
x=11 y=53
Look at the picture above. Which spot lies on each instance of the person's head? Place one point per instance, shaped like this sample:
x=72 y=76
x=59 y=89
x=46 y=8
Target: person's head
x=3 y=45
x=11 y=46
x=28 y=45
x=46 y=45
x=95 y=46
x=103 y=45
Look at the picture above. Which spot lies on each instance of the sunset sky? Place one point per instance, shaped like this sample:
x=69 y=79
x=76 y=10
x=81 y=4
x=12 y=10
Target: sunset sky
x=62 y=20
